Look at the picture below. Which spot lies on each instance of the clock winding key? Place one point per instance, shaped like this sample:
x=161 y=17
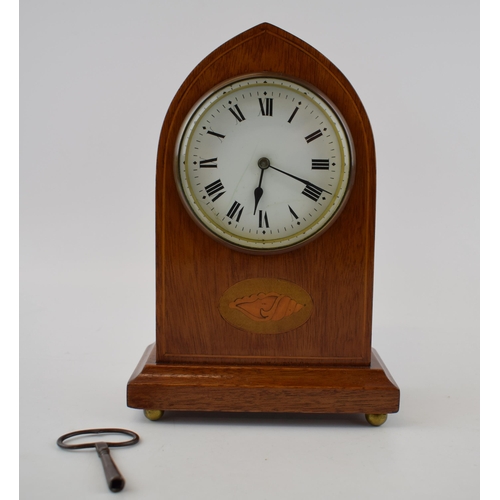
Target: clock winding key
x=114 y=478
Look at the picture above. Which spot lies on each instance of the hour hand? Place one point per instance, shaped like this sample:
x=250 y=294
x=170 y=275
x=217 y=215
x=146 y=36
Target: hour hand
x=258 y=192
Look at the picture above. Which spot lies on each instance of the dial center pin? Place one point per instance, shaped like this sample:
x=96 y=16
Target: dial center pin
x=264 y=163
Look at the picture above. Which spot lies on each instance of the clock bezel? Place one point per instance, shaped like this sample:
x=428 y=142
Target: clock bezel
x=241 y=247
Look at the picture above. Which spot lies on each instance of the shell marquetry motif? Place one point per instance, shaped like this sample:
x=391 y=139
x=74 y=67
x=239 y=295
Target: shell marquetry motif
x=266 y=306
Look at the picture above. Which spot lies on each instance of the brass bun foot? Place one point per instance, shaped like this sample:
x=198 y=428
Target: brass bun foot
x=153 y=414
x=376 y=419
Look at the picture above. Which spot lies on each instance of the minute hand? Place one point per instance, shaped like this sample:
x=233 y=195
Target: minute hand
x=307 y=183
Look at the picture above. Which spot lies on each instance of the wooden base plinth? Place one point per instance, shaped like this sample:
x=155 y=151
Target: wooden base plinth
x=160 y=386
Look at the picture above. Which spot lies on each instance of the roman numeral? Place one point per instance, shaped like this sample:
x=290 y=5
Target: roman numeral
x=292 y=212
x=313 y=136
x=312 y=191
x=268 y=110
x=237 y=114
x=320 y=164
x=234 y=208
x=211 y=163
x=220 y=136
x=263 y=220
x=215 y=188
x=293 y=115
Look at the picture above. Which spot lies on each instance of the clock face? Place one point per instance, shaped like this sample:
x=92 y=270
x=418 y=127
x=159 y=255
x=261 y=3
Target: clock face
x=264 y=163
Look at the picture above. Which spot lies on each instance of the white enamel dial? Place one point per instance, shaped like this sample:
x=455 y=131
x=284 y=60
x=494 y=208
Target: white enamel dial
x=264 y=163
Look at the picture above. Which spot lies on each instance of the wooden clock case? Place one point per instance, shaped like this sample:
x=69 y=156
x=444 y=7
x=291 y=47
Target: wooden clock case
x=202 y=362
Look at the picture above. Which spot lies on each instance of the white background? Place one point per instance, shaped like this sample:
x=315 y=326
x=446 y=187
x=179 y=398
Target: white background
x=97 y=78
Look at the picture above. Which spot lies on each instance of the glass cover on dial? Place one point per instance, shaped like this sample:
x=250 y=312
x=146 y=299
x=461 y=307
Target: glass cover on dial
x=264 y=163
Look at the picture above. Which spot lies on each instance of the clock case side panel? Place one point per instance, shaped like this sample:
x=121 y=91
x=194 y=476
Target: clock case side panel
x=194 y=270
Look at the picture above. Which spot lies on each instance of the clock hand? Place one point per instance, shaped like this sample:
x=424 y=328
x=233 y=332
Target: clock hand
x=263 y=164
x=307 y=183
x=258 y=192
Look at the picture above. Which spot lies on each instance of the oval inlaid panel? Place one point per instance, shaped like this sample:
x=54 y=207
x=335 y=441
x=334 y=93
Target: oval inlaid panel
x=266 y=305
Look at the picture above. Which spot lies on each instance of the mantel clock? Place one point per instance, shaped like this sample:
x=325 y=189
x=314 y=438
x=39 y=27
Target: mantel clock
x=265 y=214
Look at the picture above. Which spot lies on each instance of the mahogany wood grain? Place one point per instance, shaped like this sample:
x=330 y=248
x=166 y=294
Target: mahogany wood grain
x=194 y=270
x=264 y=388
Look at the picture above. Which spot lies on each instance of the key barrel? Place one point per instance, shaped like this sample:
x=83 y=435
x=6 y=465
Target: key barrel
x=115 y=480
